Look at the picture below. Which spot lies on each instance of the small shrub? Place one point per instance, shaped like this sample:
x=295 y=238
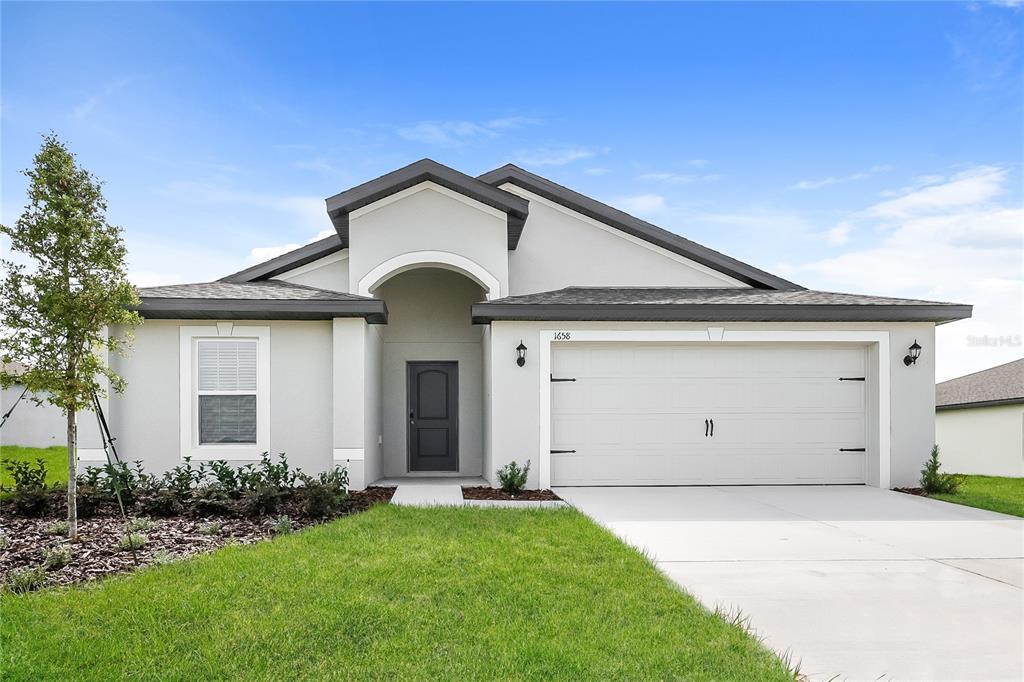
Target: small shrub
x=140 y=524
x=261 y=501
x=225 y=477
x=132 y=541
x=58 y=528
x=282 y=525
x=213 y=501
x=212 y=528
x=324 y=496
x=182 y=479
x=164 y=557
x=268 y=474
x=158 y=502
x=56 y=557
x=91 y=499
x=30 y=502
x=512 y=478
x=26 y=475
x=25 y=580
x=933 y=480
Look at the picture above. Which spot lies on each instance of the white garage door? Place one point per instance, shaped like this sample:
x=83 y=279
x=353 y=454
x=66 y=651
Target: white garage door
x=647 y=414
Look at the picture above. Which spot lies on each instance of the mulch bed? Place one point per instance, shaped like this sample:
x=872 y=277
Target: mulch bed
x=912 y=491
x=96 y=554
x=485 y=493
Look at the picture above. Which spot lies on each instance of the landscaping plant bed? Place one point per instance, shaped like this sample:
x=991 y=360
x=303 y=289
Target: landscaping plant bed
x=483 y=492
x=97 y=553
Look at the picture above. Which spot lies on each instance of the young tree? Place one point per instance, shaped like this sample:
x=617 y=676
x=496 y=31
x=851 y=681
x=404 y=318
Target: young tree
x=56 y=313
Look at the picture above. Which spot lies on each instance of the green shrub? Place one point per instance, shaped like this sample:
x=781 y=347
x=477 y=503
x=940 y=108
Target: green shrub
x=268 y=474
x=933 y=480
x=57 y=528
x=213 y=501
x=132 y=541
x=30 y=502
x=164 y=557
x=324 y=495
x=282 y=525
x=90 y=499
x=25 y=580
x=225 y=477
x=159 y=502
x=182 y=479
x=56 y=557
x=261 y=501
x=140 y=524
x=26 y=475
x=512 y=478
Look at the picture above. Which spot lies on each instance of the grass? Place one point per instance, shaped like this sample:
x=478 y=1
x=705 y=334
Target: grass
x=995 y=493
x=396 y=593
x=55 y=457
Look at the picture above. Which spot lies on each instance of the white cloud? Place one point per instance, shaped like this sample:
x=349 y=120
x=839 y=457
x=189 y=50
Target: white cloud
x=457 y=132
x=262 y=253
x=838 y=235
x=967 y=188
x=834 y=180
x=554 y=156
x=946 y=243
x=640 y=203
x=305 y=211
x=596 y=171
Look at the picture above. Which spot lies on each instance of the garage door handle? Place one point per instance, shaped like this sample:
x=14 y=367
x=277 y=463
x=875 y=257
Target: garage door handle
x=851 y=450
x=712 y=428
x=705 y=428
x=562 y=452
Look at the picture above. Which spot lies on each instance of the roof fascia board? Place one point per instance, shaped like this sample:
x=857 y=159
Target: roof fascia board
x=374 y=311
x=980 y=403
x=483 y=313
x=341 y=205
x=288 y=261
x=638 y=228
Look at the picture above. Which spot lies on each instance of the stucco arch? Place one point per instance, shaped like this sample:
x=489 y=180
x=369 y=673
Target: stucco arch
x=433 y=259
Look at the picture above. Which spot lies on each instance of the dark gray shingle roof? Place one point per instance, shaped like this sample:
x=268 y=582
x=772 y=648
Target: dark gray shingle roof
x=663 y=303
x=265 y=299
x=1002 y=384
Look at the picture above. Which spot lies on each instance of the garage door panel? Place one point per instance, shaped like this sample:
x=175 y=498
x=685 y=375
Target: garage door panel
x=636 y=414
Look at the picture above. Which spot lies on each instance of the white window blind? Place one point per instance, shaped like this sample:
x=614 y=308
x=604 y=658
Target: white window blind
x=227 y=391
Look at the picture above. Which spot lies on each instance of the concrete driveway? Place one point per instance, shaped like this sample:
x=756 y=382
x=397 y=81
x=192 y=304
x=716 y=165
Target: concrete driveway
x=855 y=582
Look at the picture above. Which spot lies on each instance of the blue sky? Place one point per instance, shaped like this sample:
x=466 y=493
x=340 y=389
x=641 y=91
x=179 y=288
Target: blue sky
x=873 y=147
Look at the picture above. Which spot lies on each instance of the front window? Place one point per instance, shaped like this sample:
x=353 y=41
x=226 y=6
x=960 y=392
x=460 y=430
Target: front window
x=227 y=391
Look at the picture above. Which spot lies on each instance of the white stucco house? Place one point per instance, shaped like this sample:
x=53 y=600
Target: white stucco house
x=452 y=324
x=979 y=421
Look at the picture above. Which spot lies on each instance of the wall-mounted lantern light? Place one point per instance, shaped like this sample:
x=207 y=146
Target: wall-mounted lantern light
x=521 y=354
x=913 y=354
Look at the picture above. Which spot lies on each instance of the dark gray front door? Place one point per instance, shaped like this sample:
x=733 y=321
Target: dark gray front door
x=433 y=390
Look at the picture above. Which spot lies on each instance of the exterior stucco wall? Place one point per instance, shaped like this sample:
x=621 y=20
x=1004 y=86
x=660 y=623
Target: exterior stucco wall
x=330 y=272
x=561 y=248
x=515 y=400
x=427 y=217
x=40 y=426
x=982 y=440
x=429 y=320
x=145 y=419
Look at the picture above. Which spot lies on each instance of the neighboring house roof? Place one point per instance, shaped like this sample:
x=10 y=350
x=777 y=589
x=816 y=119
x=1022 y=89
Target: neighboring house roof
x=271 y=299
x=1002 y=385
x=683 y=304
x=515 y=207
x=634 y=226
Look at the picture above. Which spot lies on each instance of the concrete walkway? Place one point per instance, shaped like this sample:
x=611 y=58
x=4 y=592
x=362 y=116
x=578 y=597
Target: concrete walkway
x=856 y=582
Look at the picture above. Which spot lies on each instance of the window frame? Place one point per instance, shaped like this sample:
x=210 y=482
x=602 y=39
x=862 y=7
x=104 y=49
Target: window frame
x=189 y=338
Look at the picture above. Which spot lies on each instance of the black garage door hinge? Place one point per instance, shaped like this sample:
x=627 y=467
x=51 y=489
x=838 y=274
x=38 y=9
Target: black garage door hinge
x=555 y=379
x=561 y=452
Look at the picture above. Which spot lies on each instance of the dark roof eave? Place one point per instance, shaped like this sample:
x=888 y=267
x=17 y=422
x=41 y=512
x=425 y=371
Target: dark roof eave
x=288 y=261
x=484 y=313
x=375 y=312
x=980 y=403
x=514 y=206
x=632 y=225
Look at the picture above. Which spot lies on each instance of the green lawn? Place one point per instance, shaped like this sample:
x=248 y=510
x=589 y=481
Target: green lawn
x=995 y=493
x=56 y=458
x=396 y=593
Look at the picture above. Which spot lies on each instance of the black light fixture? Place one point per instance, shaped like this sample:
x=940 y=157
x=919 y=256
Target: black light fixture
x=913 y=354
x=521 y=353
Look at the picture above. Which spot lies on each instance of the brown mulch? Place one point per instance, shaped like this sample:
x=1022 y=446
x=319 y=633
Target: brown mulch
x=96 y=553
x=485 y=493
x=912 y=491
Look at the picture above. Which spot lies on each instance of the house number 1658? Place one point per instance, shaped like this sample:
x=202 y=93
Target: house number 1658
x=563 y=336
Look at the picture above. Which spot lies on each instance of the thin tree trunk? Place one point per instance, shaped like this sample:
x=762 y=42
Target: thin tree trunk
x=72 y=476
